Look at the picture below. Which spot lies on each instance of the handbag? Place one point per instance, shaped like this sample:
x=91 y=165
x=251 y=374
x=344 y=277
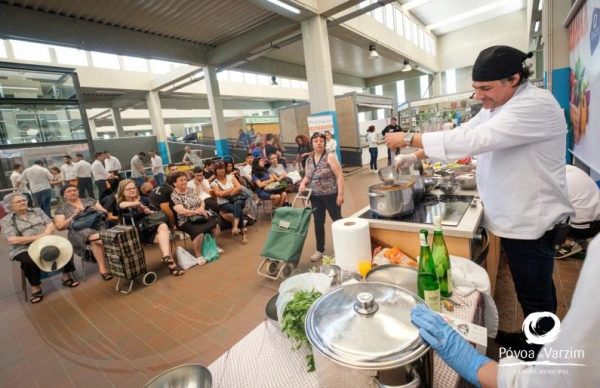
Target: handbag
x=210 y=251
x=276 y=187
x=197 y=219
x=155 y=219
x=236 y=197
x=88 y=219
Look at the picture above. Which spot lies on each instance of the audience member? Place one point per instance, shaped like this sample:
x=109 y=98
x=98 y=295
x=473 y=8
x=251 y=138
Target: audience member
x=200 y=186
x=39 y=178
x=373 y=144
x=20 y=188
x=21 y=227
x=83 y=171
x=146 y=189
x=208 y=170
x=262 y=178
x=64 y=216
x=56 y=183
x=156 y=164
x=331 y=143
x=304 y=150
x=135 y=208
x=191 y=157
x=69 y=171
x=113 y=166
x=101 y=176
x=243 y=139
x=138 y=173
x=231 y=199
x=192 y=217
x=246 y=171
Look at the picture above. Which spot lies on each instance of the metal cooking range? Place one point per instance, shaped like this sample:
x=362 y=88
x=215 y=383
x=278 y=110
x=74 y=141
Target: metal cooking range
x=452 y=208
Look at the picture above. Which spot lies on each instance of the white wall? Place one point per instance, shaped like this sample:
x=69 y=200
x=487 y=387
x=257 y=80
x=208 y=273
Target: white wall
x=460 y=48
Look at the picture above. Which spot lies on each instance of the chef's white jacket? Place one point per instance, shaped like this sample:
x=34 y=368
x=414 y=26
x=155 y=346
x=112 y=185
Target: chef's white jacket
x=578 y=332
x=99 y=171
x=112 y=164
x=520 y=149
x=584 y=196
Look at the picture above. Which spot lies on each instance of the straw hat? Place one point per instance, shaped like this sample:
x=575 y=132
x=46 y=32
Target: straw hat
x=50 y=253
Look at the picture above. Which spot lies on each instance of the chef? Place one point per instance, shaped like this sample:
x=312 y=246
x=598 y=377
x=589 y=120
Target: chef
x=519 y=138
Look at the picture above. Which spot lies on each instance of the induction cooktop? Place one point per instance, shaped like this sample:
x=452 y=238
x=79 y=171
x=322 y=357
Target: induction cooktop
x=451 y=208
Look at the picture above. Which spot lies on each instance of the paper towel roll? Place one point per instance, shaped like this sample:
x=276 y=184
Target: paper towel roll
x=351 y=242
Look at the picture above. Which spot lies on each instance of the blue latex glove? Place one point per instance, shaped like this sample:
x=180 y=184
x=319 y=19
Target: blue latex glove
x=451 y=346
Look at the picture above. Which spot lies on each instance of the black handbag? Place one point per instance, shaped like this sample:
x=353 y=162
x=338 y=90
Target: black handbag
x=197 y=219
x=155 y=219
x=236 y=197
x=88 y=219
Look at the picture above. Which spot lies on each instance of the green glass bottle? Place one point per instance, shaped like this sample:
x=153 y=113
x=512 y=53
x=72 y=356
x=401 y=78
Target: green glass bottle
x=441 y=258
x=428 y=286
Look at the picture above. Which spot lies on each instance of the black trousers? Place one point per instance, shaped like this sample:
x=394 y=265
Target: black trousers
x=86 y=187
x=321 y=204
x=32 y=272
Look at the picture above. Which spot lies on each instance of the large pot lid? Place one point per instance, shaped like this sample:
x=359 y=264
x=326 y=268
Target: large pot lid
x=366 y=326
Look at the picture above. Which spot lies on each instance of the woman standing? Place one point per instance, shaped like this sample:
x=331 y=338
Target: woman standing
x=63 y=218
x=192 y=217
x=134 y=207
x=56 y=182
x=22 y=226
x=304 y=150
x=262 y=178
x=325 y=178
x=373 y=150
x=331 y=144
x=231 y=199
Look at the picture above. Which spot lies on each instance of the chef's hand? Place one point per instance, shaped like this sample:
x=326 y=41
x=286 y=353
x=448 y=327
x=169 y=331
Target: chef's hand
x=405 y=160
x=395 y=140
x=450 y=346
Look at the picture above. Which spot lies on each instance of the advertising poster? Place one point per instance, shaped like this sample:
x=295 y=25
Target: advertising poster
x=320 y=123
x=584 y=99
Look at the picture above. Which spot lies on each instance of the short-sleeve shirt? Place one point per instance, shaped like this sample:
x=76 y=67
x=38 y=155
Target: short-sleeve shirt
x=34 y=223
x=223 y=186
x=160 y=194
x=270 y=149
x=204 y=189
x=137 y=167
x=189 y=200
x=38 y=178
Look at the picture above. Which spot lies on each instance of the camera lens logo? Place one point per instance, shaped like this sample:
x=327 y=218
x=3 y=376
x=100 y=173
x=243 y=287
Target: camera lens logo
x=530 y=328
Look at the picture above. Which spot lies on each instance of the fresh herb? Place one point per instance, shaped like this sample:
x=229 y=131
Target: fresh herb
x=293 y=322
x=328 y=260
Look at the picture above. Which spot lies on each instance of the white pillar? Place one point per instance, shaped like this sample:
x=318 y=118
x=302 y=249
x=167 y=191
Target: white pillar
x=158 y=125
x=216 y=111
x=318 y=71
x=117 y=122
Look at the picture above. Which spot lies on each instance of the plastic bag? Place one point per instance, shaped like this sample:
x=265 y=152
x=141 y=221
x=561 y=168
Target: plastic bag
x=294 y=176
x=185 y=259
x=210 y=251
x=303 y=282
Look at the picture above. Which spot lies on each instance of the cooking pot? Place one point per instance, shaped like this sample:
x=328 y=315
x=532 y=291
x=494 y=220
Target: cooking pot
x=398 y=275
x=392 y=200
x=362 y=336
x=418 y=188
x=467 y=181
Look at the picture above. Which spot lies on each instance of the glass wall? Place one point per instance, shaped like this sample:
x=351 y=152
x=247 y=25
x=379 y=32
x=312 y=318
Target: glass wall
x=36 y=84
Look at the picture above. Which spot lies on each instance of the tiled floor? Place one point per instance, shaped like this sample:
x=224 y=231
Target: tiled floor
x=92 y=336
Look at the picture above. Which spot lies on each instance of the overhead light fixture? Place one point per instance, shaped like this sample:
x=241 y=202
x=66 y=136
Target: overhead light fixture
x=536 y=26
x=373 y=52
x=274 y=81
x=285 y=6
x=406 y=66
x=540 y=5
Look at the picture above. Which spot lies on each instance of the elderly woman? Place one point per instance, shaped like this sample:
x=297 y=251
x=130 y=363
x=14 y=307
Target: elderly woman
x=63 y=218
x=134 y=207
x=192 y=217
x=262 y=178
x=231 y=199
x=325 y=178
x=22 y=226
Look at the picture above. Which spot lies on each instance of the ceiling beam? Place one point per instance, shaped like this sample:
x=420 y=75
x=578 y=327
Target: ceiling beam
x=305 y=11
x=331 y=7
x=22 y=23
x=392 y=77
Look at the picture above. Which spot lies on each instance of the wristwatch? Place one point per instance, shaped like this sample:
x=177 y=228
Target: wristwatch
x=409 y=138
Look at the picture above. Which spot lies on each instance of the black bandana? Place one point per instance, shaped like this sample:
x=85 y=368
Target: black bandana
x=498 y=62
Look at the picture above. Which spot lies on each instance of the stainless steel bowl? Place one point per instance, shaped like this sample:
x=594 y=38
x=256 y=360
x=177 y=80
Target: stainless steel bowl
x=467 y=182
x=388 y=175
x=181 y=377
x=429 y=183
x=448 y=185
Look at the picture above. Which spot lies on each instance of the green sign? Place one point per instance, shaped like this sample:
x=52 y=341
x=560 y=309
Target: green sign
x=261 y=120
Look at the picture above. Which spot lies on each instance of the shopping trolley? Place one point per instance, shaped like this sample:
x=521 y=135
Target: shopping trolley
x=283 y=247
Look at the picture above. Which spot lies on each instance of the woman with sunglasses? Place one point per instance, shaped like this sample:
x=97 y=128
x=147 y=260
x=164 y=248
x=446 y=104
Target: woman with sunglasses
x=325 y=178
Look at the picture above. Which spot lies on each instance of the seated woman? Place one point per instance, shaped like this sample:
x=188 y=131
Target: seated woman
x=64 y=216
x=22 y=226
x=231 y=199
x=187 y=204
x=201 y=186
x=281 y=175
x=262 y=178
x=132 y=206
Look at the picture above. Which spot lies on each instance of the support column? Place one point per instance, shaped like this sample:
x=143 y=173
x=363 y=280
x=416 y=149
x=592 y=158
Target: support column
x=158 y=125
x=118 y=123
x=93 y=131
x=318 y=72
x=556 y=57
x=216 y=111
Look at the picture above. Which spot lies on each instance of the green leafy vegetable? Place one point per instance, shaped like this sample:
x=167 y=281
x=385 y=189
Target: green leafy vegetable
x=293 y=321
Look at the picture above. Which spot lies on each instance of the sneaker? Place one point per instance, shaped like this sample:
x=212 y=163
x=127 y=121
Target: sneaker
x=316 y=256
x=220 y=250
x=201 y=260
x=568 y=248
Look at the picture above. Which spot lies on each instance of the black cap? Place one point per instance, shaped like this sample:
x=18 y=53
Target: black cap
x=498 y=62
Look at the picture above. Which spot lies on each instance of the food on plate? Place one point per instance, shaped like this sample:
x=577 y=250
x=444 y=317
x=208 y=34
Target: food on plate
x=395 y=256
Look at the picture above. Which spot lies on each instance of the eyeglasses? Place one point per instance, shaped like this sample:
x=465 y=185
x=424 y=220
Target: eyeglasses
x=131 y=188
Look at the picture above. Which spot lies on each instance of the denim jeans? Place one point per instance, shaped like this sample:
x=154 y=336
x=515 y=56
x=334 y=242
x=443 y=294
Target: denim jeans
x=373 y=151
x=159 y=179
x=531 y=264
x=139 y=180
x=236 y=208
x=43 y=198
x=320 y=204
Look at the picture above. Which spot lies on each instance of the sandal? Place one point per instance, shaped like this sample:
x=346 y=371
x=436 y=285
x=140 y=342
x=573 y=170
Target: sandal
x=244 y=240
x=173 y=268
x=70 y=283
x=36 y=297
x=106 y=276
x=569 y=248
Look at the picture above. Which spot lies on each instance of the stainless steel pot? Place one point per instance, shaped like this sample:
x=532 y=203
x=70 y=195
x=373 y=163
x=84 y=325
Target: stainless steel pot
x=398 y=275
x=362 y=336
x=392 y=200
x=418 y=188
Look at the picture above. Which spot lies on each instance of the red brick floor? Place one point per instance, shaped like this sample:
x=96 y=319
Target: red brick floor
x=92 y=336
